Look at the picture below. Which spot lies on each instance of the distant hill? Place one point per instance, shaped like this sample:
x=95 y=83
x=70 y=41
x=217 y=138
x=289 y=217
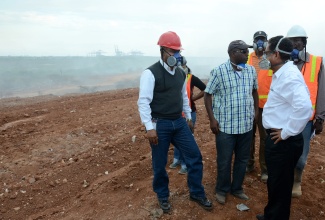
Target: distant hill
x=31 y=76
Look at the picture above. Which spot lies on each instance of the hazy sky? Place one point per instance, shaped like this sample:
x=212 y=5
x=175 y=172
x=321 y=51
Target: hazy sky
x=206 y=27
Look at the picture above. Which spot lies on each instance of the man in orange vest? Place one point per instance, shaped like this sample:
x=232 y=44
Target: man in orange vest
x=264 y=81
x=191 y=82
x=312 y=69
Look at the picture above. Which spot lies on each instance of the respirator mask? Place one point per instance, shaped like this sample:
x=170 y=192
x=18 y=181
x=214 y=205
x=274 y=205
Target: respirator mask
x=264 y=64
x=184 y=69
x=259 y=45
x=239 y=66
x=298 y=55
x=175 y=60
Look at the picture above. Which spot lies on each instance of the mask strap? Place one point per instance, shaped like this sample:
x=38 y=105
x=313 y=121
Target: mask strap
x=279 y=50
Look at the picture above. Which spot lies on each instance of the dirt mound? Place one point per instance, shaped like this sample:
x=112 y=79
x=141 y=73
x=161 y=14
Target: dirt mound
x=86 y=157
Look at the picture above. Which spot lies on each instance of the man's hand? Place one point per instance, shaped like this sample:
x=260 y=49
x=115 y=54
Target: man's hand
x=214 y=126
x=152 y=136
x=318 y=126
x=276 y=135
x=190 y=124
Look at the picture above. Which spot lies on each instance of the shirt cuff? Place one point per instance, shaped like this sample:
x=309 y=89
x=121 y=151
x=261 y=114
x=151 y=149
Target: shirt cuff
x=148 y=125
x=284 y=135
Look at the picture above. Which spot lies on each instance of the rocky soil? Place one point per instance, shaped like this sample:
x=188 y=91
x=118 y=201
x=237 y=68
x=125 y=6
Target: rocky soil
x=86 y=157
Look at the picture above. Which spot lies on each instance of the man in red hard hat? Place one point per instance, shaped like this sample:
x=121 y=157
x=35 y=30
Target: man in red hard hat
x=162 y=99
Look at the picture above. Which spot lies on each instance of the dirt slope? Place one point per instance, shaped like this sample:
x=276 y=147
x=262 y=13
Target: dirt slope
x=72 y=157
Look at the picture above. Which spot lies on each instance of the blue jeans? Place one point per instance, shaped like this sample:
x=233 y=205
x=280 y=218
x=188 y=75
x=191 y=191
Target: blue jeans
x=306 y=133
x=179 y=134
x=226 y=145
x=178 y=157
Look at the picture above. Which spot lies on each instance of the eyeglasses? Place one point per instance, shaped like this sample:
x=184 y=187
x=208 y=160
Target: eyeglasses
x=267 y=53
x=242 y=51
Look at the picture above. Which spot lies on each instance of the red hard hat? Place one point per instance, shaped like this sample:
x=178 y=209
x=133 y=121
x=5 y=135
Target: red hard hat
x=171 y=40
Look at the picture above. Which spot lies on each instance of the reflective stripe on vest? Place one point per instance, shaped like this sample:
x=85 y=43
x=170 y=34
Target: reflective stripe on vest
x=310 y=72
x=264 y=79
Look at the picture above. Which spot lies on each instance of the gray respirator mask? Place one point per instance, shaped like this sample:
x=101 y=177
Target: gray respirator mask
x=184 y=69
x=264 y=64
x=175 y=60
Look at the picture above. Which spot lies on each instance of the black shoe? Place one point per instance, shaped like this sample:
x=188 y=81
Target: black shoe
x=164 y=205
x=249 y=168
x=202 y=201
x=260 y=217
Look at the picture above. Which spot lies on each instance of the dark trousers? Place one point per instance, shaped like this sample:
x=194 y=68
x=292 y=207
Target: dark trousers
x=227 y=145
x=281 y=160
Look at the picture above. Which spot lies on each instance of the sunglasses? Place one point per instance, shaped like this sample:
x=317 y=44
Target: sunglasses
x=242 y=51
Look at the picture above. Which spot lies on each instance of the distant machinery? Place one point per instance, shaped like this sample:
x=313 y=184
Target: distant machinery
x=97 y=53
x=132 y=53
x=136 y=53
x=118 y=52
x=100 y=53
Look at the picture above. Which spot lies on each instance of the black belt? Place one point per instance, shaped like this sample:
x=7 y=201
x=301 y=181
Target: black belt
x=268 y=131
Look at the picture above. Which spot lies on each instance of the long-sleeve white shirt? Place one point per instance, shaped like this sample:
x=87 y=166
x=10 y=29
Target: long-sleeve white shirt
x=288 y=106
x=147 y=84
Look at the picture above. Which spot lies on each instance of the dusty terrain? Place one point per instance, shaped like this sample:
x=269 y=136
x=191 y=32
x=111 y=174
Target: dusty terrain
x=72 y=157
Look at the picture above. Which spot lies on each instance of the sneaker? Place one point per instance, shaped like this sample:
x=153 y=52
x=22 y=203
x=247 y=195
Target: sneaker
x=241 y=196
x=249 y=168
x=164 y=205
x=174 y=165
x=264 y=177
x=220 y=198
x=183 y=171
x=202 y=201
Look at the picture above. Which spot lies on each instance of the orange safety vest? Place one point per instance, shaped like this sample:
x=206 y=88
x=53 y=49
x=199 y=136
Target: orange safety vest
x=264 y=78
x=310 y=73
x=188 y=88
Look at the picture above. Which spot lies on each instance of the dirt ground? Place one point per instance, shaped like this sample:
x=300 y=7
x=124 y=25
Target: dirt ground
x=72 y=157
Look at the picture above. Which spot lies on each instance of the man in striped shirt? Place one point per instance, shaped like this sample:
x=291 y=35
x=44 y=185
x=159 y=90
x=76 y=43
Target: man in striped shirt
x=232 y=111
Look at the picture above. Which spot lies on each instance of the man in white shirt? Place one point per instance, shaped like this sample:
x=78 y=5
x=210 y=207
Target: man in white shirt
x=162 y=99
x=285 y=115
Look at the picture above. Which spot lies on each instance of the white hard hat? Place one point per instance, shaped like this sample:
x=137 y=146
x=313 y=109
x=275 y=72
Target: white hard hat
x=296 y=31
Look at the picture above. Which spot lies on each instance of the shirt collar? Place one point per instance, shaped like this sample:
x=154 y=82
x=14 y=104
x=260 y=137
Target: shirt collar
x=283 y=68
x=231 y=67
x=167 y=67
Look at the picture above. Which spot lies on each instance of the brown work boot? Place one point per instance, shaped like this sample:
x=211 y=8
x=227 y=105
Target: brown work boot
x=296 y=190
